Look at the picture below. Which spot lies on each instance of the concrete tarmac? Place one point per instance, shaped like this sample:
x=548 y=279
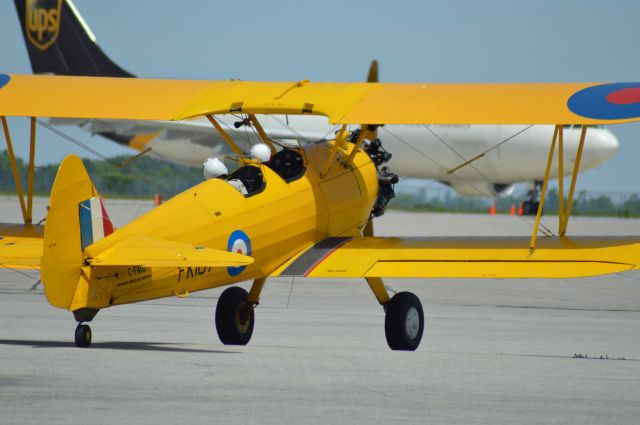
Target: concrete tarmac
x=493 y=352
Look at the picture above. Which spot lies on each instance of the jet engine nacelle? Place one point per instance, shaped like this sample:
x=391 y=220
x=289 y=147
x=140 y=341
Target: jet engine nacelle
x=482 y=188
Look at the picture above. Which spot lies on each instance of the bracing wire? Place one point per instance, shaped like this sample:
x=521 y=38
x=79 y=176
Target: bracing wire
x=444 y=169
x=21 y=273
x=481 y=154
x=293 y=281
x=544 y=229
x=98 y=154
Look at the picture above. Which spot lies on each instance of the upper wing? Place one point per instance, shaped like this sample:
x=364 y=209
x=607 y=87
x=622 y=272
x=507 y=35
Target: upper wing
x=465 y=257
x=20 y=245
x=346 y=103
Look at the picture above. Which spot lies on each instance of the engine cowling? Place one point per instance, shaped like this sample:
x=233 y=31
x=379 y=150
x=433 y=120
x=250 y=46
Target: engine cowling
x=482 y=188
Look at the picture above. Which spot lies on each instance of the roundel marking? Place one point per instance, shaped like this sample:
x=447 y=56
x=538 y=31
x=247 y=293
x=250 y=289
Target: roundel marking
x=239 y=243
x=612 y=101
x=625 y=96
x=4 y=80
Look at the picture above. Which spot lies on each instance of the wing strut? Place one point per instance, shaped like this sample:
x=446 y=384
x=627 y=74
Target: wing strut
x=366 y=132
x=338 y=143
x=262 y=133
x=27 y=210
x=563 y=211
x=574 y=179
x=225 y=136
x=32 y=158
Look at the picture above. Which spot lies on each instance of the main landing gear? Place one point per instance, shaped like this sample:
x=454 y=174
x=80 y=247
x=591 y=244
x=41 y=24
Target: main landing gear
x=404 y=317
x=234 y=317
x=234 y=313
x=404 y=322
x=403 y=325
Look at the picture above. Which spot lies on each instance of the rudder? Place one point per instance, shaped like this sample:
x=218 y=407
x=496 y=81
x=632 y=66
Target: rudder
x=73 y=197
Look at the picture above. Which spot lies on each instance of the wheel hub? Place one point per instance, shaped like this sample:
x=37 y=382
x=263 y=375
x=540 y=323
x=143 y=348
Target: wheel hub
x=243 y=318
x=412 y=323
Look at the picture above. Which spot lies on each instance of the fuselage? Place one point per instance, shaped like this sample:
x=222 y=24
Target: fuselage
x=271 y=226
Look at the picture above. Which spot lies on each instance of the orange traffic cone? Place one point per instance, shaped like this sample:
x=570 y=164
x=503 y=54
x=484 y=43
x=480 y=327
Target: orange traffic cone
x=513 y=210
x=157 y=200
x=492 y=210
x=520 y=210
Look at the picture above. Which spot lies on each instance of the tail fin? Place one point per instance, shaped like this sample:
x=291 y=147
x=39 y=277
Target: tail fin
x=60 y=42
x=74 y=217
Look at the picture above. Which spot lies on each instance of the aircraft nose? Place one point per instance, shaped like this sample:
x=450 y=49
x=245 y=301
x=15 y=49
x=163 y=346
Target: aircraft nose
x=601 y=146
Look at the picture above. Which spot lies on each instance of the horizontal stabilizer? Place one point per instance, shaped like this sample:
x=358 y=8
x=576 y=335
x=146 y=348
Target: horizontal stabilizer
x=151 y=252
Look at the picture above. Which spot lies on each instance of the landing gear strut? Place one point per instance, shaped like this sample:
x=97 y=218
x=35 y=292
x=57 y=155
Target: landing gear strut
x=83 y=336
x=234 y=317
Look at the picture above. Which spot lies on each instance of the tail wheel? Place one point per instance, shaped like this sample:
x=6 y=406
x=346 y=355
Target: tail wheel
x=234 y=317
x=404 y=322
x=83 y=336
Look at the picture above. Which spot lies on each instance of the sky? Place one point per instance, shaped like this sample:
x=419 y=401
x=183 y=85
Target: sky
x=415 y=41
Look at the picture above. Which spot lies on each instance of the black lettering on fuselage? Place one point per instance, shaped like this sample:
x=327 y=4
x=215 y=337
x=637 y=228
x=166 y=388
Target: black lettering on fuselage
x=132 y=271
x=192 y=272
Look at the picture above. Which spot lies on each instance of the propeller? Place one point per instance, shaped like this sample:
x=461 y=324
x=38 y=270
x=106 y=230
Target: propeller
x=372 y=76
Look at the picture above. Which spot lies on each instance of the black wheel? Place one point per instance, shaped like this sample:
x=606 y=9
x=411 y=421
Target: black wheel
x=530 y=207
x=83 y=336
x=404 y=322
x=234 y=317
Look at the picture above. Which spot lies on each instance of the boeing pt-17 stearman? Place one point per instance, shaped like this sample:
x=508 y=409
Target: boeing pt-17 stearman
x=307 y=211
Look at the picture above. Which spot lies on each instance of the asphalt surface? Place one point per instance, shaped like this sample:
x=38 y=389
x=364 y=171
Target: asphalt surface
x=493 y=351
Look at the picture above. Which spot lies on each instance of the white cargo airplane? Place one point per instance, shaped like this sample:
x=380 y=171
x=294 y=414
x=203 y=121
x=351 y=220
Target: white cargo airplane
x=62 y=43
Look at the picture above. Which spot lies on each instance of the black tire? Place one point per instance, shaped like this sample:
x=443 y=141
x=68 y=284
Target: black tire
x=83 y=336
x=530 y=207
x=404 y=322
x=234 y=317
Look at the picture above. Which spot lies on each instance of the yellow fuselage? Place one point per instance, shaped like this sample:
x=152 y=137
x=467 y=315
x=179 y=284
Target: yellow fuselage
x=278 y=222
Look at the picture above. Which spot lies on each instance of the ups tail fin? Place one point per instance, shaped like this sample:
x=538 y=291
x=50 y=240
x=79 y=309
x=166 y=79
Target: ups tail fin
x=60 y=42
x=62 y=251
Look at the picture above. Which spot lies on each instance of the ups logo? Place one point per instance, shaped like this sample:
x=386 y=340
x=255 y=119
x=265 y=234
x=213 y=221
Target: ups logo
x=43 y=22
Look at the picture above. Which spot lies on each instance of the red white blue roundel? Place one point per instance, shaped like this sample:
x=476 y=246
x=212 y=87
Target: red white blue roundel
x=607 y=101
x=239 y=243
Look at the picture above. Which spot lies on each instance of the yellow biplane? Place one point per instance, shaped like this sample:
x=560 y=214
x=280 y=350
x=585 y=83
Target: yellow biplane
x=304 y=212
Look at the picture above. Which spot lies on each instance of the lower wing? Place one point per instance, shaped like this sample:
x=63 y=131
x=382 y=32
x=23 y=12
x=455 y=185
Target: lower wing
x=20 y=245
x=465 y=257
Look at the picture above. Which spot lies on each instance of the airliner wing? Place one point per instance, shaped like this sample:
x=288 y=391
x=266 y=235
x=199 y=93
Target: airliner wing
x=142 y=134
